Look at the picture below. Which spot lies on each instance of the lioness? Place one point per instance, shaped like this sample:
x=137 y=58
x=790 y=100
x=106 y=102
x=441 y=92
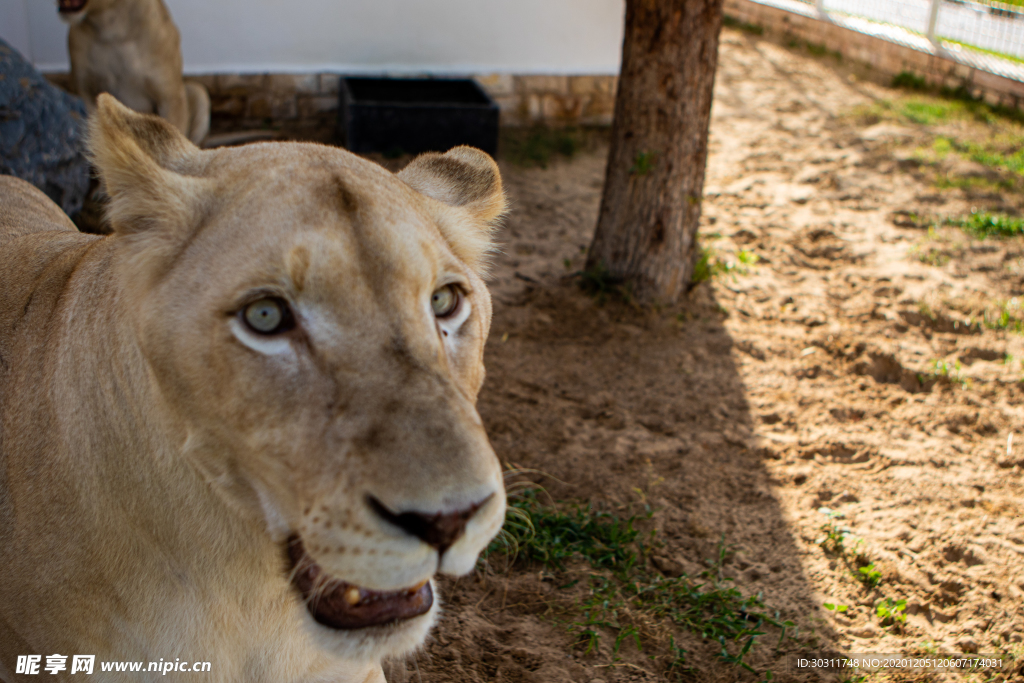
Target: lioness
x=132 y=50
x=241 y=429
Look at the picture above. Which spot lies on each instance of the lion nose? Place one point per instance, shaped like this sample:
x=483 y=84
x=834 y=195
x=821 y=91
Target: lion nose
x=439 y=530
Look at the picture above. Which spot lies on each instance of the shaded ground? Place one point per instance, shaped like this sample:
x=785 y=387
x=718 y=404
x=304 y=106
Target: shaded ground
x=852 y=354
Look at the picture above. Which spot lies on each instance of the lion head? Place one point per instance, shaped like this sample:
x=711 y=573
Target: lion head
x=314 y=326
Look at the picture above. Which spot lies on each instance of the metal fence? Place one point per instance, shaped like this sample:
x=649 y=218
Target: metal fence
x=985 y=34
x=994 y=27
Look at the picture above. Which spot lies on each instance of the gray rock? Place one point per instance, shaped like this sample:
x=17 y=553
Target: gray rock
x=42 y=132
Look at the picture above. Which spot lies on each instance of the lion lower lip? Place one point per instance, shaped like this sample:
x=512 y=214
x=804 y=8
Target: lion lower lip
x=342 y=605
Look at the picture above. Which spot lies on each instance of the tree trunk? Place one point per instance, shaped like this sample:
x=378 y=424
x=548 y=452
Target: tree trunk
x=646 y=231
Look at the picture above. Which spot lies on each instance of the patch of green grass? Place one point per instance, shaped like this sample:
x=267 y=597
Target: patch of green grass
x=942 y=146
x=733 y=22
x=600 y=283
x=869 y=575
x=927 y=112
x=950 y=372
x=708 y=264
x=643 y=163
x=1007 y=315
x=1009 y=156
x=891 y=611
x=1001 y=148
x=747 y=257
x=537 y=146
x=704 y=268
x=973 y=183
x=909 y=81
x=982 y=224
x=943 y=103
x=994 y=53
x=911 y=219
x=677 y=665
x=932 y=256
x=711 y=607
x=598 y=279
x=838 y=541
x=835 y=534
x=816 y=49
x=553 y=536
x=622 y=584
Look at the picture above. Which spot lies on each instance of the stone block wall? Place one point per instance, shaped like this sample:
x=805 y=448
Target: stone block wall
x=552 y=100
x=524 y=100
x=254 y=100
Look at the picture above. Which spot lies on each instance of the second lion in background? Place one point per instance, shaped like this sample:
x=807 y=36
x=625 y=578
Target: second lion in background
x=132 y=50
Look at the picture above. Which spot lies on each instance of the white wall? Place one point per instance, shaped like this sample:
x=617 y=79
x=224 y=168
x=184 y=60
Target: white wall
x=373 y=36
x=14 y=25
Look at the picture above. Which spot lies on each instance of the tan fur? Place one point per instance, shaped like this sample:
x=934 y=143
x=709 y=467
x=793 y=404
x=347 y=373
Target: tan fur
x=132 y=50
x=154 y=457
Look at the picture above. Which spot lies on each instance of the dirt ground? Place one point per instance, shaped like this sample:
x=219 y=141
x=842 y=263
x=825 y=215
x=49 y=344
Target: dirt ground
x=844 y=370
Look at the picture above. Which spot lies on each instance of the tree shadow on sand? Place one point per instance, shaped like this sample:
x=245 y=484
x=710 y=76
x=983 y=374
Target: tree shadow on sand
x=625 y=410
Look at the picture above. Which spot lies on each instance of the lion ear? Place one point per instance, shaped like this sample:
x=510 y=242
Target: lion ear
x=466 y=178
x=147 y=166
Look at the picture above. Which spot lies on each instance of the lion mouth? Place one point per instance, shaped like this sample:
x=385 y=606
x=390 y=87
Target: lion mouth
x=70 y=6
x=341 y=605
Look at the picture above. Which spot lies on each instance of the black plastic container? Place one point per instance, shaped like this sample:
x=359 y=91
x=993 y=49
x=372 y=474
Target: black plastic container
x=413 y=115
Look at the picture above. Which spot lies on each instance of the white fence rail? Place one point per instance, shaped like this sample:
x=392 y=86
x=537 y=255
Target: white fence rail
x=992 y=26
x=986 y=35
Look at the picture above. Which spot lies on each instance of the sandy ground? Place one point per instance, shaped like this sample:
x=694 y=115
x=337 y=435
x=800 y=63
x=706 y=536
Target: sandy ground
x=806 y=380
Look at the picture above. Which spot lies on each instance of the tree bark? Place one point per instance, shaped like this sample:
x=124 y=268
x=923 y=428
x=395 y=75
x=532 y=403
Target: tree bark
x=646 y=231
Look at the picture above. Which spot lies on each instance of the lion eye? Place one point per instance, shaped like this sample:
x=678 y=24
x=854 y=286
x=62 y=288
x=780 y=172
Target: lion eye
x=444 y=301
x=267 y=316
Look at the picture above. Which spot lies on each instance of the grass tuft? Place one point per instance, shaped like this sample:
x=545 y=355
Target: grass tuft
x=703 y=268
x=551 y=537
x=890 y=612
x=733 y=22
x=909 y=81
x=937 y=104
x=643 y=163
x=1006 y=315
x=708 y=264
x=624 y=591
x=539 y=145
x=945 y=371
x=601 y=284
x=982 y=224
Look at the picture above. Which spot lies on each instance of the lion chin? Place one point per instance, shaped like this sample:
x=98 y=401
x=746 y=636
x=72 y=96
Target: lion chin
x=242 y=428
